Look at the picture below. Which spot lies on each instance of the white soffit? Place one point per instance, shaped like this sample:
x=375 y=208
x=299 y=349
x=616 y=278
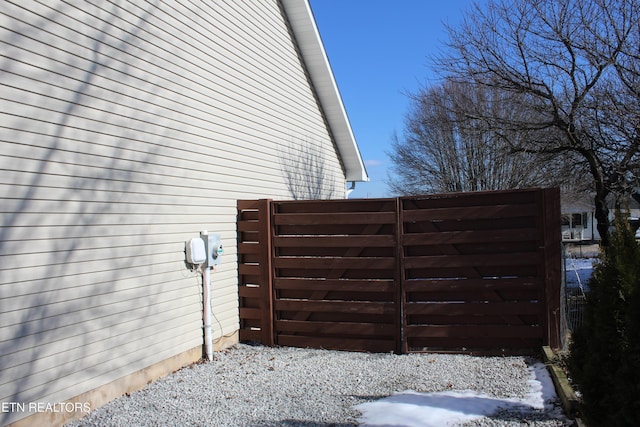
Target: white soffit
x=315 y=58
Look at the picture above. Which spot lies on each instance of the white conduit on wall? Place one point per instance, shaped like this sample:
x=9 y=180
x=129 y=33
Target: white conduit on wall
x=206 y=294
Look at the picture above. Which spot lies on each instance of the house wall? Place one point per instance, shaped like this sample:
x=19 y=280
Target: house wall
x=125 y=129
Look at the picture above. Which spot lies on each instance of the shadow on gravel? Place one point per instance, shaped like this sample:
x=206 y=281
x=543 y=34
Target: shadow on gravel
x=526 y=417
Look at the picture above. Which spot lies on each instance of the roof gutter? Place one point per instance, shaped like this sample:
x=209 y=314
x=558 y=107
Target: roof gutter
x=306 y=33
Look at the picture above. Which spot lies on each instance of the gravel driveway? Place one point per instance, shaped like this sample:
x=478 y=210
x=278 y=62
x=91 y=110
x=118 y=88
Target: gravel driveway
x=262 y=386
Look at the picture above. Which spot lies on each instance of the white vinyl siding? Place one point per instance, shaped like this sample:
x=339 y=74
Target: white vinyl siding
x=125 y=129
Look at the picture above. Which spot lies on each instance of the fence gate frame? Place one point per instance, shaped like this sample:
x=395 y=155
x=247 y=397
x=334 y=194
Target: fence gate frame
x=462 y=272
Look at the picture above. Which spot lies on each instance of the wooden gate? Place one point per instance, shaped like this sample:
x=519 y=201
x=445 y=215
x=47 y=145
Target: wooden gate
x=473 y=272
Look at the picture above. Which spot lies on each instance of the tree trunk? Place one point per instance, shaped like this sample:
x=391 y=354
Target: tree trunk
x=600 y=198
x=602 y=217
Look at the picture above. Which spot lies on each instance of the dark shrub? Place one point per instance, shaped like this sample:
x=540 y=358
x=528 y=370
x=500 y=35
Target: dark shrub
x=605 y=350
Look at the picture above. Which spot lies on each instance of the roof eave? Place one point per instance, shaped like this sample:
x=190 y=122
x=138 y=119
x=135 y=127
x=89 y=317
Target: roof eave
x=307 y=36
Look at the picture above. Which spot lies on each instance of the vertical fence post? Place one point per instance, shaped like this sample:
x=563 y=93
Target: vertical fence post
x=552 y=267
x=266 y=271
x=401 y=342
x=254 y=271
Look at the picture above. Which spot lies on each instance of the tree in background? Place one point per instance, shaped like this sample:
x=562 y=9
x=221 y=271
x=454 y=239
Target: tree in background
x=572 y=66
x=444 y=148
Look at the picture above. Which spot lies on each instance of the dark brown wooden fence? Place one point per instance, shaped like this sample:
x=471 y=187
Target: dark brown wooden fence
x=473 y=272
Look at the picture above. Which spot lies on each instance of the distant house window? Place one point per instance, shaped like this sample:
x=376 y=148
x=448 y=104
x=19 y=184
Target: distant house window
x=576 y=220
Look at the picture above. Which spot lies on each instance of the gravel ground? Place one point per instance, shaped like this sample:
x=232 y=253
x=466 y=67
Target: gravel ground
x=262 y=386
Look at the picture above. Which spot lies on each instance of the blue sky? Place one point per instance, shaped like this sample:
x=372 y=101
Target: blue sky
x=378 y=50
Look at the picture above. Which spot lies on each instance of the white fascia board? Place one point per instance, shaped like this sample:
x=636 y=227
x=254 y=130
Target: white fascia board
x=307 y=36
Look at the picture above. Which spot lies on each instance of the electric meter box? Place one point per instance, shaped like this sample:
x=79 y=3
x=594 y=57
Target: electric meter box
x=213 y=247
x=196 y=253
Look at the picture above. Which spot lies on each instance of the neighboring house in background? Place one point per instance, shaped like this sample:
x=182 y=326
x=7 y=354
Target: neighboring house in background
x=127 y=128
x=578 y=221
x=580 y=225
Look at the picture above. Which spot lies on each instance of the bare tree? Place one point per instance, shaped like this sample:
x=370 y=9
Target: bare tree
x=446 y=149
x=305 y=172
x=574 y=66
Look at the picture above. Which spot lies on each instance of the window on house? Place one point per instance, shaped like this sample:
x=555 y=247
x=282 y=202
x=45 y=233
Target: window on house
x=576 y=220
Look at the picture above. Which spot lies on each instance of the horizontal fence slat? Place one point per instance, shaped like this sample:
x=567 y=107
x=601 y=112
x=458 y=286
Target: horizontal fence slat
x=470 y=296
x=451 y=225
x=472 y=308
x=339 y=328
x=333 y=241
x=470 y=212
x=465 y=272
x=360 y=307
x=249 y=270
x=354 y=285
x=250 y=313
x=475 y=331
x=249 y=248
x=250 y=335
x=364 y=344
x=320 y=273
x=249 y=292
x=338 y=205
x=496 y=284
x=477 y=198
x=476 y=346
x=335 y=218
x=470 y=236
x=499 y=319
x=483 y=260
x=334 y=263
x=247 y=226
x=312 y=294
